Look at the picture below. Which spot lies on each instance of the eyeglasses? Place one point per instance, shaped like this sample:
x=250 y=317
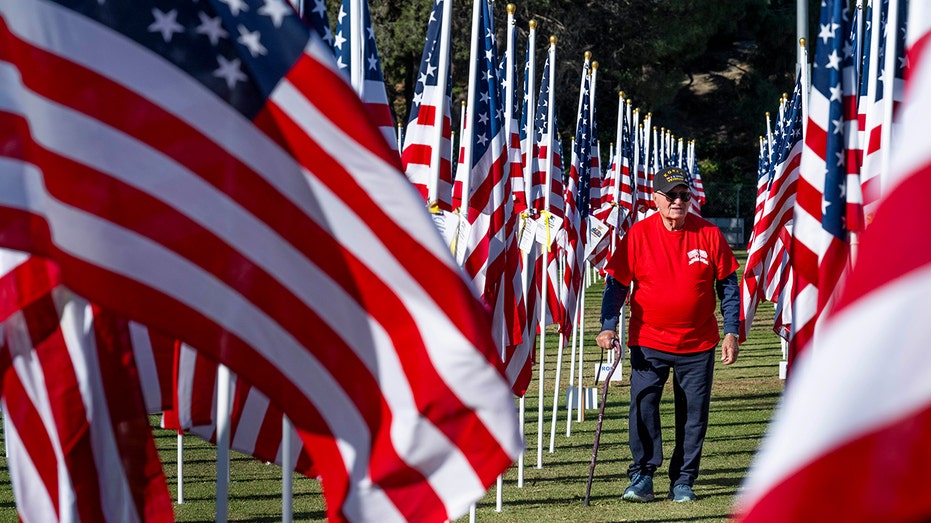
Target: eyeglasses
x=682 y=195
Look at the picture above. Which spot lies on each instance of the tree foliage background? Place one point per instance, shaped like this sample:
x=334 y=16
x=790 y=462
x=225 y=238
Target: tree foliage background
x=707 y=70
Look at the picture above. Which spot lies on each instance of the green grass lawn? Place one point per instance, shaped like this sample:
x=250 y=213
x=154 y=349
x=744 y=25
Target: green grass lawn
x=743 y=399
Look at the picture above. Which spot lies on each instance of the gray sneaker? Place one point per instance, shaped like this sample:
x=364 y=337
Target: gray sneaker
x=640 y=489
x=682 y=493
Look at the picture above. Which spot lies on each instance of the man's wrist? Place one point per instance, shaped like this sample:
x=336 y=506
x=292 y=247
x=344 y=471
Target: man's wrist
x=734 y=334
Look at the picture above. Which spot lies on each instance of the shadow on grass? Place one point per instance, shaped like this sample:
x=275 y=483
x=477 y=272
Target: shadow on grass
x=313 y=515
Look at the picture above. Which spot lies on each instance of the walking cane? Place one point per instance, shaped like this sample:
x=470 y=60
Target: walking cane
x=601 y=414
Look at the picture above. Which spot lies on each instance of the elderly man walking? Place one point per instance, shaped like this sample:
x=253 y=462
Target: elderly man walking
x=675 y=262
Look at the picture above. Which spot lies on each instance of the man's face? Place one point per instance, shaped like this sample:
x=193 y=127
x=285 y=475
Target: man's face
x=673 y=205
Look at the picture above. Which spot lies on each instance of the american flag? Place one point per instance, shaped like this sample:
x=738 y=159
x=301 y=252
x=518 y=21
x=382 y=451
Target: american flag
x=533 y=255
x=154 y=356
x=698 y=188
x=509 y=79
x=255 y=426
x=764 y=273
x=527 y=143
x=821 y=221
x=596 y=189
x=651 y=164
x=490 y=256
x=596 y=248
x=576 y=197
x=426 y=155
x=873 y=113
x=633 y=155
x=79 y=446
x=314 y=14
x=546 y=191
x=866 y=424
x=365 y=65
x=253 y=211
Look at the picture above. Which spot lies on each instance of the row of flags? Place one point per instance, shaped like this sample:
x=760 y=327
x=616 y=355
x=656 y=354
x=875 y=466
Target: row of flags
x=509 y=208
x=261 y=215
x=858 y=389
x=822 y=167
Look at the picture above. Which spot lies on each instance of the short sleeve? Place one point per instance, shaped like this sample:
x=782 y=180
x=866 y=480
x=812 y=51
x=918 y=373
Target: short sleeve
x=726 y=262
x=619 y=264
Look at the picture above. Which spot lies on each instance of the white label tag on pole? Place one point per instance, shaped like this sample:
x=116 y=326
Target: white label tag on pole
x=528 y=234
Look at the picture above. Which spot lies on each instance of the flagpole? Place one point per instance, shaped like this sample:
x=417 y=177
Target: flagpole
x=580 y=406
x=619 y=154
x=545 y=277
x=287 y=472
x=356 y=46
x=442 y=78
x=223 y=443
x=571 y=385
x=578 y=389
x=531 y=102
x=180 y=467
x=529 y=87
x=801 y=30
x=806 y=88
x=562 y=343
x=508 y=132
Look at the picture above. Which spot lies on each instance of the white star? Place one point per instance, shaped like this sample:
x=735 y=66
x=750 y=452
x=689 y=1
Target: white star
x=276 y=10
x=485 y=97
x=230 y=71
x=327 y=35
x=342 y=14
x=483 y=119
x=422 y=80
x=833 y=60
x=236 y=6
x=338 y=43
x=373 y=63
x=252 y=41
x=340 y=64
x=482 y=140
x=165 y=23
x=826 y=33
x=371 y=33
x=212 y=27
x=836 y=93
x=431 y=70
x=319 y=8
x=418 y=99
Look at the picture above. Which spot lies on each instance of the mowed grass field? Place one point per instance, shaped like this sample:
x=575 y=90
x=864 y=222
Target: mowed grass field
x=744 y=396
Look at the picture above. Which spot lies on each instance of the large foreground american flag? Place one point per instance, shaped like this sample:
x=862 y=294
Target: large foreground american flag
x=864 y=415
x=204 y=169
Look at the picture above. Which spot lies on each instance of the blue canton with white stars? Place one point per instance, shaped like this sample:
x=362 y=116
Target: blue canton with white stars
x=239 y=49
x=830 y=58
x=372 y=66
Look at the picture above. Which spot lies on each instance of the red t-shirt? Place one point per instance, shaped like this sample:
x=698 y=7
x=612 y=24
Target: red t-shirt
x=673 y=275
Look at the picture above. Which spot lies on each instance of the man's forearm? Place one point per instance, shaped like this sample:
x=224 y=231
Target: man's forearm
x=729 y=292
